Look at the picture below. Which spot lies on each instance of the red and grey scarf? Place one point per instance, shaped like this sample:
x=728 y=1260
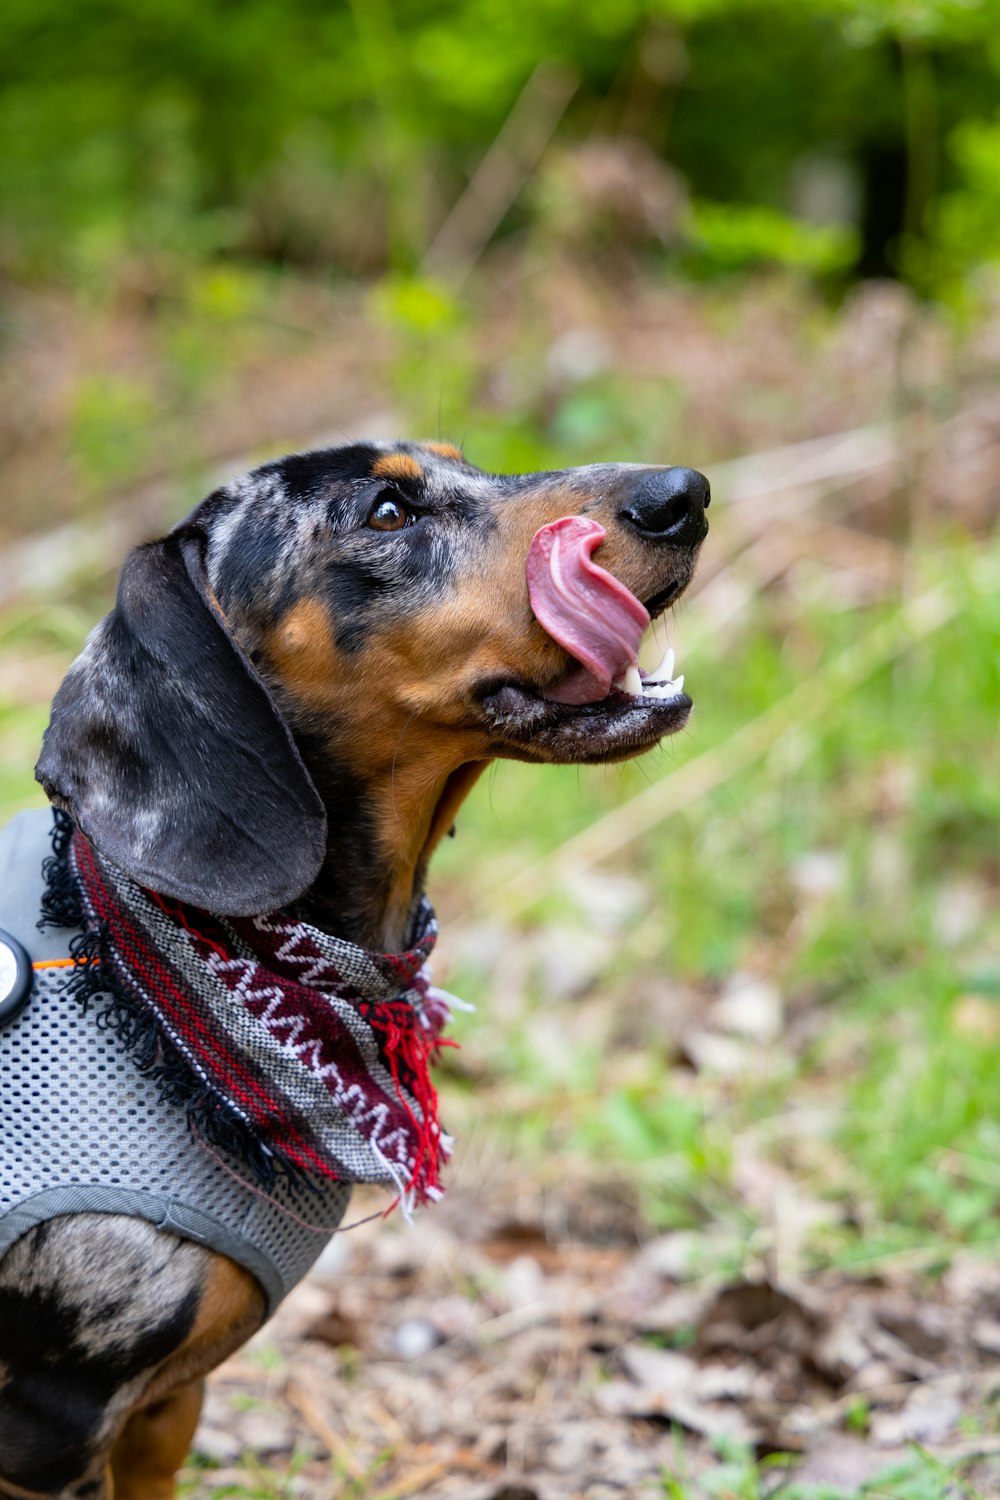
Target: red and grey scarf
x=296 y=1051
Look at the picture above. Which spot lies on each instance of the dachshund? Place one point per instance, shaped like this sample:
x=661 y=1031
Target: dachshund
x=296 y=689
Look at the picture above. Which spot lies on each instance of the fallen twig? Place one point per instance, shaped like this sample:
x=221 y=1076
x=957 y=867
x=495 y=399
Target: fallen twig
x=502 y=172
x=415 y=1481
x=324 y=1430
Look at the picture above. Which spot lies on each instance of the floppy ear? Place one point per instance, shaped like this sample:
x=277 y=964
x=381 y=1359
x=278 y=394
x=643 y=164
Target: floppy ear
x=170 y=754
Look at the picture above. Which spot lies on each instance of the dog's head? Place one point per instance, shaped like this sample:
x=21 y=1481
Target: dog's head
x=350 y=634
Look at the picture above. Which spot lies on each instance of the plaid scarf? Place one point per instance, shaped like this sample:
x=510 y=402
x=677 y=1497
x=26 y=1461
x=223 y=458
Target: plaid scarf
x=300 y=1053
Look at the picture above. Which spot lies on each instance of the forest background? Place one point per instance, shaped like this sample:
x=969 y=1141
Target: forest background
x=723 y=1220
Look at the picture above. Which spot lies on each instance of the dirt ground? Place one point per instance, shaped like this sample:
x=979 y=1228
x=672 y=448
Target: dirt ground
x=530 y=1340
x=534 y=1337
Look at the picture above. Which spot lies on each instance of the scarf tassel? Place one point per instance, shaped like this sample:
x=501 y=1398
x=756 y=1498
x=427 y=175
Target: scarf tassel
x=409 y=1050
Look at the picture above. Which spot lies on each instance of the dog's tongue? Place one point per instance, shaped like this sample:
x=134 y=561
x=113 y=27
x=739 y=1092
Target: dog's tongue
x=583 y=607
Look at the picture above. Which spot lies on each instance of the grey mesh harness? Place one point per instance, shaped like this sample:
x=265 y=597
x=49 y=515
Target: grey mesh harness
x=82 y=1131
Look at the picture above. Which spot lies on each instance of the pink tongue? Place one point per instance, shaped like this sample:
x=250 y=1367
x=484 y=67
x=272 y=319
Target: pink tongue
x=583 y=607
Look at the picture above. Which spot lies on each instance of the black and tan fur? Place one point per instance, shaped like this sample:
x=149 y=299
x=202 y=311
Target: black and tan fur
x=296 y=690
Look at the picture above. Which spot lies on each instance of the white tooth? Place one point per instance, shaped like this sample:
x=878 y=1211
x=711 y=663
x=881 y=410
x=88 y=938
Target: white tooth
x=633 y=682
x=663 y=689
x=665 y=670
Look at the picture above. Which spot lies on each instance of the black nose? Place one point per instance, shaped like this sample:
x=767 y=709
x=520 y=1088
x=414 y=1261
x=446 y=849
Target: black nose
x=670 y=505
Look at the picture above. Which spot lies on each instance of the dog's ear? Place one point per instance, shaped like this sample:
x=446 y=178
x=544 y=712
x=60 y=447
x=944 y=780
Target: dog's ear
x=170 y=754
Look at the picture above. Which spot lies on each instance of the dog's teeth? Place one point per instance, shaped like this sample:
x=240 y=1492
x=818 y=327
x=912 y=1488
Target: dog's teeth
x=632 y=682
x=663 y=689
x=665 y=670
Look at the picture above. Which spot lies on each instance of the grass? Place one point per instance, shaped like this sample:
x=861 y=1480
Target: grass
x=739 y=1476
x=257 y=1481
x=851 y=865
x=847 y=860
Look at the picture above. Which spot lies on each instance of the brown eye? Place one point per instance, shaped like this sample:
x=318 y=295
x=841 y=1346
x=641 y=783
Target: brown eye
x=389 y=514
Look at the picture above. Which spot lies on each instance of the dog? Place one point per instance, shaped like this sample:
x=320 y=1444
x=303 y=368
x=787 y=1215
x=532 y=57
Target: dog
x=296 y=690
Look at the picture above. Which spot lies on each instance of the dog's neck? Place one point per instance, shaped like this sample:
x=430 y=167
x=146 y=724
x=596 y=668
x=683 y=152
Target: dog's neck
x=382 y=834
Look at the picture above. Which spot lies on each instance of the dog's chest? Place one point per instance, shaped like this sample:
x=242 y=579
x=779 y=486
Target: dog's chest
x=81 y=1130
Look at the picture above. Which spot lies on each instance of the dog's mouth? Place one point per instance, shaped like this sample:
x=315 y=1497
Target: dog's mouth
x=527 y=726
x=605 y=707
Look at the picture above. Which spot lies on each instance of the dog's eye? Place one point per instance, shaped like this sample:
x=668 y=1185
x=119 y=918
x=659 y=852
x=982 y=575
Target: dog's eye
x=389 y=514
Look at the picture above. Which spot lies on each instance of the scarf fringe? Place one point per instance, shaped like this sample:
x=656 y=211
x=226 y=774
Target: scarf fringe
x=209 y=1115
x=62 y=904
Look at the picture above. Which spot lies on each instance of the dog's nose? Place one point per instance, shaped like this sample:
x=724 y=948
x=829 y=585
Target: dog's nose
x=670 y=505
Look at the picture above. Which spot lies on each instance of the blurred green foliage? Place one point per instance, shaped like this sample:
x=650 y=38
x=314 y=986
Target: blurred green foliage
x=902 y=812
x=184 y=154
x=825 y=134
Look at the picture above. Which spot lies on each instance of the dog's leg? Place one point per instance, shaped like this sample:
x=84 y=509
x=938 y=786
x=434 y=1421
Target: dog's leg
x=154 y=1444
x=155 y=1440
x=103 y=1318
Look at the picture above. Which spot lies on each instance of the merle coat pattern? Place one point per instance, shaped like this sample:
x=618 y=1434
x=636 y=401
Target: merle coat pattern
x=294 y=693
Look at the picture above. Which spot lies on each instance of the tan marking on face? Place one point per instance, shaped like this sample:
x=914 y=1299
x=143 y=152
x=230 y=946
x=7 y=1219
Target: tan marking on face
x=402 y=709
x=457 y=787
x=399 y=719
x=303 y=650
x=445 y=450
x=484 y=627
x=430 y=668
x=425 y=801
x=406 y=762
x=397 y=466
x=418 y=676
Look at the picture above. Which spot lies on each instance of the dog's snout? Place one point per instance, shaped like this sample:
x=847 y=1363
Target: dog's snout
x=670 y=506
